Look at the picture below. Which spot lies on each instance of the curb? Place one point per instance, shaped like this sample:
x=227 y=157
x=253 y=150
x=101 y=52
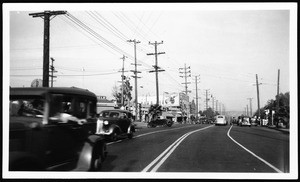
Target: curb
x=280 y=129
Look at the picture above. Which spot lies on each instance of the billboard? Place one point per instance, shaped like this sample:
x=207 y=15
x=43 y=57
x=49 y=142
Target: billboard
x=171 y=99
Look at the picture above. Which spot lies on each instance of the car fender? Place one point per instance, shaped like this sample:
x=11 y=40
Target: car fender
x=24 y=161
x=113 y=128
x=130 y=128
x=86 y=154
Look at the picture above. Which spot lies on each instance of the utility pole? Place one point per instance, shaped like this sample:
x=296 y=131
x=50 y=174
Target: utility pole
x=216 y=105
x=277 y=99
x=135 y=76
x=197 y=109
x=123 y=78
x=46 y=16
x=206 y=100
x=213 y=102
x=185 y=72
x=258 y=105
x=156 y=67
x=52 y=71
x=247 y=110
x=250 y=99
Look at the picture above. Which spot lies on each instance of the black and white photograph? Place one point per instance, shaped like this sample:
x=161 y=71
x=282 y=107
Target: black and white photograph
x=150 y=91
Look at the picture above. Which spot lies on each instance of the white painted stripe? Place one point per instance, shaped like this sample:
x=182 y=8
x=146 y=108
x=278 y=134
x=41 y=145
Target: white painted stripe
x=164 y=156
x=161 y=131
x=252 y=153
x=145 y=134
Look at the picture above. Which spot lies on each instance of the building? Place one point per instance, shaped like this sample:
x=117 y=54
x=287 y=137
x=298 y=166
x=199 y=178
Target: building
x=103 y=103
x=175 y=104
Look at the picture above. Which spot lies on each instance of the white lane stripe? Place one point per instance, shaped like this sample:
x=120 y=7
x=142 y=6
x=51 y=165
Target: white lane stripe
x=261 y=159
x=169 y=151
x=145 y=134
x=161 y=155
x=161 y=131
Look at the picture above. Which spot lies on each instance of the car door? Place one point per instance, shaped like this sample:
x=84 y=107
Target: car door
x=65 y=140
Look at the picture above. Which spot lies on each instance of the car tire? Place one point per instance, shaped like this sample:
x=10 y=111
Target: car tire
x=130 y=135
x=98 y=158
x=113 y=136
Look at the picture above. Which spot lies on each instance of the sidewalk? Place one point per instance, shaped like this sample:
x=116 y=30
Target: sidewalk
x=140 y=125
x=284 y=130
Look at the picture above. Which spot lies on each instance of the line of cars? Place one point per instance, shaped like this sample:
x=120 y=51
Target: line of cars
x=58 y=129
x=245 y=121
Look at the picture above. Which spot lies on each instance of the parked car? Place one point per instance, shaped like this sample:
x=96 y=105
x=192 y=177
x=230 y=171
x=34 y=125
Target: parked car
x=254 y=122
x=115 y=123
x=54 y=129
x=245 y=122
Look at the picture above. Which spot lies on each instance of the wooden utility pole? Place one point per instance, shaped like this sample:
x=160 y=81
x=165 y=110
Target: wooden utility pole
x=206 y=99
x=46 y=16
x=52 y=71
x=156 y=67
x=277 y=99
x=123 y=78
x=216 y=105
x=135 y=76
x=258 y=105
x=197 y=109
x=186 y=70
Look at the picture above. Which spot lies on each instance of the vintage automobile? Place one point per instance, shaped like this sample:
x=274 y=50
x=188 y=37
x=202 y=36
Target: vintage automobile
x=254 y=122
x=115 y=123
x=54 y=129
x=245 y=121
x=221 y=120
x=160 y=122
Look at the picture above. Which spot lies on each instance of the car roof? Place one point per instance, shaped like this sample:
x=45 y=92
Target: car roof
x=44 y=90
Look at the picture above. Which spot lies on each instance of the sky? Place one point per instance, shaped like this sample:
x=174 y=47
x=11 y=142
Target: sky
x=225 y=46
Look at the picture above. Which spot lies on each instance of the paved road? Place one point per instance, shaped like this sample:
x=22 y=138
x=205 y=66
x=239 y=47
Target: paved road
x=201 y=148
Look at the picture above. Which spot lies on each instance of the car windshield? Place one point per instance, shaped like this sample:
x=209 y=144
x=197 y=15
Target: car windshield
x=220 y=116
x=30 y=106
x=104 y=114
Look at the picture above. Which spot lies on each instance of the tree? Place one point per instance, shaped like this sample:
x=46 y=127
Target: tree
x=155 y=111
x=117 y=93
x=284 y=108
x=209 y=113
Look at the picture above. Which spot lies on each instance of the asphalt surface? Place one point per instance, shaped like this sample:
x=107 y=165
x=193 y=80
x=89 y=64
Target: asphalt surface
x=200 y=148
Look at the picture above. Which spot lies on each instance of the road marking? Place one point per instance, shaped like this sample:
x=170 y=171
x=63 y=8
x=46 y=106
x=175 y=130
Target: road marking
x=156 y=163
x=252 y=153
x=161 y=131
x=145 y=134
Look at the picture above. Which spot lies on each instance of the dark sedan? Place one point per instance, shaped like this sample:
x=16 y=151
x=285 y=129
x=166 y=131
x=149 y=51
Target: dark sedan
x=115 y=123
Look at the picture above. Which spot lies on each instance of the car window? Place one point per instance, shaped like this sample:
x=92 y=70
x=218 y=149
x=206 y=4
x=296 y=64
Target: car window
x=30 y=106
x=114 y=115
x=77 y=106
x=220 y=117
x=104 y=114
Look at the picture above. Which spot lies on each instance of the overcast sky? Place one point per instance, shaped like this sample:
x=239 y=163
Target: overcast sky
x=226 y=45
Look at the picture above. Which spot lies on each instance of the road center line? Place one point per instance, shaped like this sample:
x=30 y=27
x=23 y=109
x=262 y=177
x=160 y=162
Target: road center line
x=164 y=156
x=261 y=159
x=160 y=131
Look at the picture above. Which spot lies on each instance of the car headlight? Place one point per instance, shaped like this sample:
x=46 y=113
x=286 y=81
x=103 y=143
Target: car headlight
x=105 y=122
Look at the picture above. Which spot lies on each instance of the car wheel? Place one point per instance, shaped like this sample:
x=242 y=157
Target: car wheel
x=113 y=136
x=98 y=158
x=130 y=135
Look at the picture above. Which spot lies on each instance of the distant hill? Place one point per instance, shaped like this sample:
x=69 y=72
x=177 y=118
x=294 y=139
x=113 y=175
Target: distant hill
x=234 y=113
